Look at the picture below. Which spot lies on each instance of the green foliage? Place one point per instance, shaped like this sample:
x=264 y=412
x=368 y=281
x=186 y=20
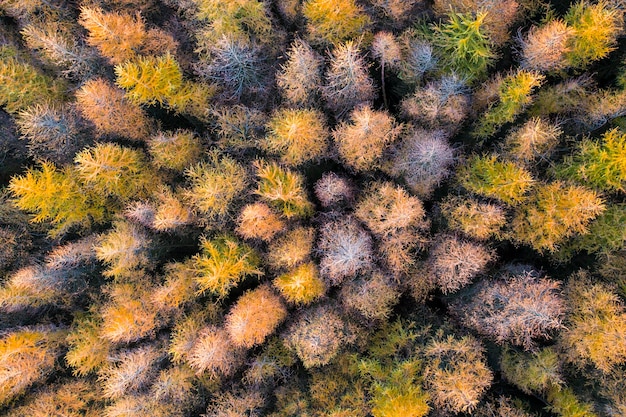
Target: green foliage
x=601 y=164
x=487 y=176
x=514 y=94
x=22 y=85
x=284 y=189
x=56 y=195
x=333 y=21
x=222 y=264
x=563 y=402
x=464 y=45
x=537 y=372
x=596 y=28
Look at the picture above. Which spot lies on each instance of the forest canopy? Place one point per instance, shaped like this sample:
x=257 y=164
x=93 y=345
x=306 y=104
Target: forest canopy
x=312 y=208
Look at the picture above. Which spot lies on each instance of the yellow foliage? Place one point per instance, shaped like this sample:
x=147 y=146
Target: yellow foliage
x=87 y=351
x=334 y=21
x=284 y=189
x=555 y=212
x=124 y=248
x=259 y=221
x=223 y=263
x=298 y=136
x=113 y=170
x=596 y=329
x=26 y=356
x=475 y=219
x=56 y=195
x=302 y=285
x=402 y=400
x=174 y=150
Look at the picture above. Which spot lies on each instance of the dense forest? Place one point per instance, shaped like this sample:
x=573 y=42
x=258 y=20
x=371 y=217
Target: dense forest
x=312 y=208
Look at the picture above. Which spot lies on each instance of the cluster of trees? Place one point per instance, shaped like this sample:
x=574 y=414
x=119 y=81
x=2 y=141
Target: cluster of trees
x=387 y=208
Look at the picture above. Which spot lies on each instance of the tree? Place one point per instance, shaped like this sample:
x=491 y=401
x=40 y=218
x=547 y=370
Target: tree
x=347 y=82
x=87 y=351
x=291 y=249
x=505 y=181
x=533 y=372
x=373 y=296
x=300 y=77
x=465 y=47
x=116 y=171
x=474 y=218
x=213 y=353
x=596 y=27
x=362 y=140
x=132 y=371
x=423 y=160
x=555 y=212
x=159 y=80
x=215 y=184
x=345 y=250
x=599 y=164
x=517 y=310
x=255 y=315
x=454 y=262
x=223 y=263
x=596 y=327
x=514 y=95
x=117 y=36
x=56 y=43
x=247 y=403
x=298 y=136
x=175 y=150
x=284 y=189
x=259 y=221
x=533 y=140
x=331 y=22
x=239 y=18
x=57 y=196
x=27 y=356
x=62 y=399
x=318 y=335
x=301 y=285
x=387 y=209
x=112 y=114
x=545 y=48
x=54 y=133
x=456 y=372
x=125 y=249
x=237 y=66
x=334 y=191
x=440 y=104
x=22 y=85
x=130 y=315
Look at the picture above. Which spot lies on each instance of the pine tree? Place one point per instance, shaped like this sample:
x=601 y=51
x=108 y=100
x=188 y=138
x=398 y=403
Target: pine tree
x=298 y=136
x=238 y=18
x=215 y=185
x=545 y=48
x=131 y=372
x=554 y=213
x=175 y=150
x=331 y=22
x=112 y=170
x=106 y=107
x=476 y=219
x=223 y=263
x=259 y=221
x=124 y=248
x=464 y=45
x=291 y=249
x=362 y=140
x=517 y=310
x=213 y=353
x=87 y=351
x=22 y=85
x=599 y=164
x=505 y=181
x=117 y=36
x=57 y=196
x=302 y=285
x=254 y=316
x=283 y=189
x=299 y=78
x=347 y=82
